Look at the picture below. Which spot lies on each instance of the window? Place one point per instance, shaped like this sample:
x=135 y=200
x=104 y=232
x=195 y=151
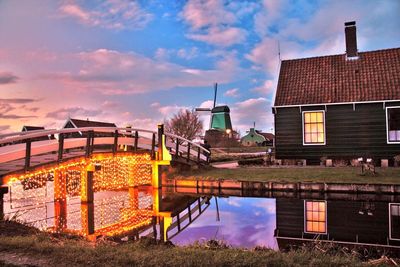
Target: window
x=314 y=128
x=394 y=221
x=315 y=216
x=393 y=124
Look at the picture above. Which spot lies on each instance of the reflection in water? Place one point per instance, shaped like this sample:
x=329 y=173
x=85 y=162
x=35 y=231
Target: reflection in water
x=315 y=216
x=185 y=218
x=243 y=222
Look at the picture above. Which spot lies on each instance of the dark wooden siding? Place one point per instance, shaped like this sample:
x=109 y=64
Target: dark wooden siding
x=344 y=223
x=349 y=133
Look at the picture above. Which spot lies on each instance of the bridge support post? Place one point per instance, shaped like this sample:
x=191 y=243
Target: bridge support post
x=28 y=154
x=87 y=198
x=134 y=197
x=60 y=147
x=60 y=201
x=3 y=191
x=160 y=141
x=135 y=147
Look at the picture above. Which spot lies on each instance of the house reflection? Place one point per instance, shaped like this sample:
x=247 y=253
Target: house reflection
x=345 y=222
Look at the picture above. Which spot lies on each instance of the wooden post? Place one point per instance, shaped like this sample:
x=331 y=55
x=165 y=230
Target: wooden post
x=153 y=145
x=60 y=146
x=115 y=146
x=134 y=197
x=161 y=220
x=160 y=137
x=198 y=155
x=28 y=154
x=87 y=207
x=199 y=203
x=178 y=220
x=3 y=191
x=135 y=148
x=177 y=148
x=188 y=153
x=190 y=213
x=60 y=201
x=88 y=144
x=91 y=142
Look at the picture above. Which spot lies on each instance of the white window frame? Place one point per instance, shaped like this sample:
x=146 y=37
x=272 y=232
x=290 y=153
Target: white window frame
x=387 y=126
x=305 y=218
x=302 y=127
x=390 y=221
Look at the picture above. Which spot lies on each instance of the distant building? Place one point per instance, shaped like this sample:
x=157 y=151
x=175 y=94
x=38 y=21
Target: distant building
x=269 y=138
x=31 y=128
x=339 y=107
x=27 y=128
x=76 y=123
x=253 y=138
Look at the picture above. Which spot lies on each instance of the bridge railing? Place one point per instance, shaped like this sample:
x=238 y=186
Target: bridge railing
x=64 y=143
x=186 y=149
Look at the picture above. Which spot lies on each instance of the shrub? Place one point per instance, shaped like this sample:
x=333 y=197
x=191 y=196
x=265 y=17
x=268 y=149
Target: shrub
x=256 y=161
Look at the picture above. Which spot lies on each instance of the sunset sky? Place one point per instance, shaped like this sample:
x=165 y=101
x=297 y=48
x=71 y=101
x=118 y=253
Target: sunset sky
x=139 y=62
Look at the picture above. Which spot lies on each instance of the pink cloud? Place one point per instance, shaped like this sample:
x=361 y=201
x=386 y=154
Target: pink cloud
x=266 y=88
x=211 y=22
x=244 y=113
x=234 y=92
x=111 y=72
x=224 y=37
x=111 y=14
x=201 y=14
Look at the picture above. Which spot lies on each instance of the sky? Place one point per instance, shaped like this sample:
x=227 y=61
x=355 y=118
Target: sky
x=140 y=62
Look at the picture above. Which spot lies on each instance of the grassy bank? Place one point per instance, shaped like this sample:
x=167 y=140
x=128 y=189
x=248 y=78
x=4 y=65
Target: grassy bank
x=295 y=174
x=27 y=246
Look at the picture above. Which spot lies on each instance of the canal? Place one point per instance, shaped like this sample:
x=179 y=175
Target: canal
x=276 y=220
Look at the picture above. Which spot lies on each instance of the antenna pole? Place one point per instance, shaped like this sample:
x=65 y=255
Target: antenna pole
x=279 y=51
x=215 y=94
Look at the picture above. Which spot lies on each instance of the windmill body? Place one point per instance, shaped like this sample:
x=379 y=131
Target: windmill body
x=220 y=115
x=220 y=132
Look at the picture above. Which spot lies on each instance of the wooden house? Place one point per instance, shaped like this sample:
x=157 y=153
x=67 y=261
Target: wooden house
x=342 y=107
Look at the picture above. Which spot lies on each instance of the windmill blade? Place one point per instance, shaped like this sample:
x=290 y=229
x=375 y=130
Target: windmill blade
x=203 y=109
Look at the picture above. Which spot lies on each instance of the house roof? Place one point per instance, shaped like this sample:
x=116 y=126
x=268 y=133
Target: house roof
x=88 y=123
x=32 y=128
x=374 y=76
x=268 y=136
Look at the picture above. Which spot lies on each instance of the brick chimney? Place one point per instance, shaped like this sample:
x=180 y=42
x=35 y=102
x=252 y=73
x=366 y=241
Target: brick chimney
x=351 y=39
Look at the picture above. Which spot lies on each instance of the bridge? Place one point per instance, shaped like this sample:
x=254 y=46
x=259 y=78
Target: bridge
x=25 y=151
x=56 y=170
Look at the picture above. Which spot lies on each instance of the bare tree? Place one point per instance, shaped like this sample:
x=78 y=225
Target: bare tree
x=185 y=123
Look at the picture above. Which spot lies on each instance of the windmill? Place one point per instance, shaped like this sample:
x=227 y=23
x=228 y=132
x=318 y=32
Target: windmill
x=220 y=115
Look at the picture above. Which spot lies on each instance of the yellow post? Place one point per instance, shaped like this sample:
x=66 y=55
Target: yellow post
x=163 y=158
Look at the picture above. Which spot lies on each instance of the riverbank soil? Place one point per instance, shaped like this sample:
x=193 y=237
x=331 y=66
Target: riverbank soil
x=294 y=174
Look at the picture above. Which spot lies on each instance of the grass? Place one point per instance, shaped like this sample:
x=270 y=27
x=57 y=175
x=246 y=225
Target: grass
x=43 y=249
x=295 y=174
